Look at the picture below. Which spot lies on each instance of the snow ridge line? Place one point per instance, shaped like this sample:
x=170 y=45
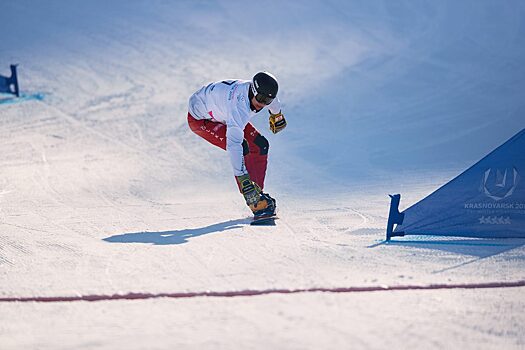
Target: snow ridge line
x=248 y=293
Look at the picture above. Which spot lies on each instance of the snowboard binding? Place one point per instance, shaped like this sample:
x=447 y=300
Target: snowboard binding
x=264 y=212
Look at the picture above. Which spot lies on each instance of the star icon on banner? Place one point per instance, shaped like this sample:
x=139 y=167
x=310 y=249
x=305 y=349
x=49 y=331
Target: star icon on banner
x=494 y=220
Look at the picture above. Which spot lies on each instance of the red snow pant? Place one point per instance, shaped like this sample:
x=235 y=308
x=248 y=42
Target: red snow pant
x=255 y=146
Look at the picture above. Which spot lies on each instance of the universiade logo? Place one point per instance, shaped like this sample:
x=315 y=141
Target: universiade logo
x=499 y=184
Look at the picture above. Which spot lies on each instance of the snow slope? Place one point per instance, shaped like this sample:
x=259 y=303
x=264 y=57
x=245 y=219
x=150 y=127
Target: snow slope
x=103 y=189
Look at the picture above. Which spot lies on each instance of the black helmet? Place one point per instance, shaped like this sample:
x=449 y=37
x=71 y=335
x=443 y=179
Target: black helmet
x=264 y=87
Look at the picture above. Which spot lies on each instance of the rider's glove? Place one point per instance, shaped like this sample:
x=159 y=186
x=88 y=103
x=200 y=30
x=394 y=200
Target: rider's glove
x=277 y=122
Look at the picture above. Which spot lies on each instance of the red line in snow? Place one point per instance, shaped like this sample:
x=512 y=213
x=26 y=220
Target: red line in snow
x=248 y=293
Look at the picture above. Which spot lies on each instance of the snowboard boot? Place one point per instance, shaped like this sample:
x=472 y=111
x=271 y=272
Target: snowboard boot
x=265 y=206
x=272 y=203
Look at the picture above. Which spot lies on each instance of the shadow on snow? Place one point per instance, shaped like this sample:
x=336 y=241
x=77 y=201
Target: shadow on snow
x=175 y=236
x=478 y=248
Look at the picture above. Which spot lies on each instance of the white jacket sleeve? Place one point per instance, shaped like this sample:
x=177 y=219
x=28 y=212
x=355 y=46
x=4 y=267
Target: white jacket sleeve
x=234 y=138
x=275 y=106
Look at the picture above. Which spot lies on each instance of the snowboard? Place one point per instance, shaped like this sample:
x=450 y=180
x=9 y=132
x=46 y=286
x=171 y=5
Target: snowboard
x=264 y=220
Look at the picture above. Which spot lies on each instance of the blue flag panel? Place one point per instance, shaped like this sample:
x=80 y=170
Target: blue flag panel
x=486 y=201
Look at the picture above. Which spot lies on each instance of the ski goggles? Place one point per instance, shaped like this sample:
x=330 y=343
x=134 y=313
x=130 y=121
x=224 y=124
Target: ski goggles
x=260 y=97
x=263 y=99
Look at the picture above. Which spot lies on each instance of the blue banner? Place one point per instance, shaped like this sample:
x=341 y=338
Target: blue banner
x=486 y=201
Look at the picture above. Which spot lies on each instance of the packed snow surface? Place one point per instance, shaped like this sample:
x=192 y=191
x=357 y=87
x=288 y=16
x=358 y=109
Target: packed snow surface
x=104 y=189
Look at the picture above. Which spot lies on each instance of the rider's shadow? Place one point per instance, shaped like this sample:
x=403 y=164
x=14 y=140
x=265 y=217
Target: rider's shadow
x=175 y=236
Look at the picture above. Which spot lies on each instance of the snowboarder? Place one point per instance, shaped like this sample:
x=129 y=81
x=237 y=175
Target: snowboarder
x=220 y=112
